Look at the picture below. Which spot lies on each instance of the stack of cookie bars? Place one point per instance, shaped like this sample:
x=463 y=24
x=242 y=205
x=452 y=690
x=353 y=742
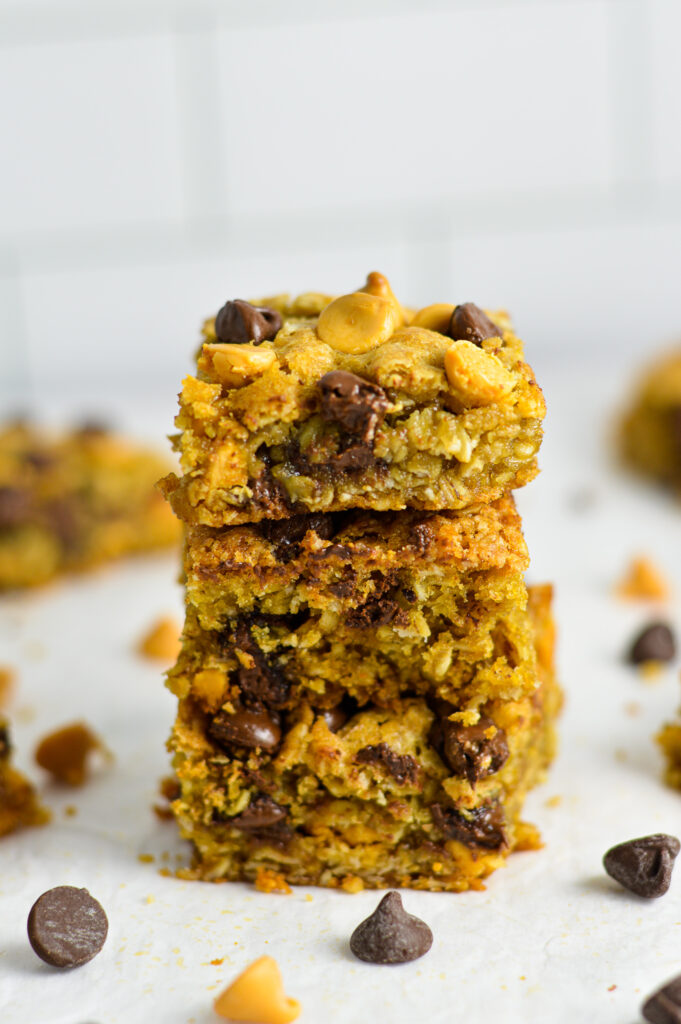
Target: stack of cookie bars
x=366 y=686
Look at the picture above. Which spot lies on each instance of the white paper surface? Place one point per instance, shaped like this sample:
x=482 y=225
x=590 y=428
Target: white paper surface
x=551 y=939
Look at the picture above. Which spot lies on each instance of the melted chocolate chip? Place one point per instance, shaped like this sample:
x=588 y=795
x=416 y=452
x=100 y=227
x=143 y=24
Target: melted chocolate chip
x=379 y=609
x=469 y=323
x=15 y=506
x=391 y=935
x=250 y=729
x=403 y=767
x=655 y=643
x=357 y=406
x=644 y=866
x=264 y=819
x=239 y=322
x=67 y=927
x=261 y=683
x=286 y=534
x=482 y=826
x=469 y=750
x=335 y=718
x=664 y=1006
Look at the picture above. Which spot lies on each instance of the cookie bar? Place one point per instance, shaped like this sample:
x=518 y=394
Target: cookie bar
x=420 y=792
x=358 y=605
x=72 y=501
x=651 y=429
x=19 y=806
x=320 y=405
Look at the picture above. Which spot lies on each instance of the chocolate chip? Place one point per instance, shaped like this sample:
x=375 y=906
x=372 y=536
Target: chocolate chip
x=335 y=718
x=248 y=729
x=403 y=767
x=286 y=534
x=644 y=866
x=468 y=749
x=481 y=826
x=67 y=927
x=262 y=682
x=664 y=1006
x=264 y=819
x=391 y=935
x=469 y=323
x=15 y=506
x=654 y=643
x=357 y=406
x=5 y=744
x=380 y=607
x=239 y=322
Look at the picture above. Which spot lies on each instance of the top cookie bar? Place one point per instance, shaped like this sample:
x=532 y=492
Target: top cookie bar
x=321 y=404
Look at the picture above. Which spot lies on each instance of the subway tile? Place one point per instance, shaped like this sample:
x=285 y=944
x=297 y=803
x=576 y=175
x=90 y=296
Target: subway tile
x=666 y=89
x=425 y=105
x=90 y=135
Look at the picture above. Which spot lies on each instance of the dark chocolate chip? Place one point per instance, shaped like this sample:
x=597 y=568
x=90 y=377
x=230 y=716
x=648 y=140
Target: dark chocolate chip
x=262 y=682
x=468 y=749
x=482 y=826
x=643 y=866
x=286 y=534
x=335 y=718
x=469 y=323
x=264 y=820
x=357 y=406
x=239 y=322
x=67 y=927
x=15 y=506
x=391 y=935
x=403 y=767
x=248 y=729
x=664 y=1006
x=654 y=643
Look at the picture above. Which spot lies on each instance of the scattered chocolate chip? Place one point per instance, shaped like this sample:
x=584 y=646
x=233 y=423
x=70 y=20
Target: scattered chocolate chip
x=664 y=1006
x=654 y=643
x=67 y=927
x=469 y=750
x=469 y=323
x=391 y=935
x=644 y=866
x=244 y=728
x=239 y=322
x=355 y=404
x=403 y=767
x=15 y=506
x=482 y=826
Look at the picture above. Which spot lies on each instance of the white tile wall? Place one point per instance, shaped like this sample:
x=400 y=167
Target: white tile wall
x=161 y=155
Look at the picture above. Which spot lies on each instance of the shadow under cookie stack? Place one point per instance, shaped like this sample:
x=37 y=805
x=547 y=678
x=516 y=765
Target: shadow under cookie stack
x=366 y=686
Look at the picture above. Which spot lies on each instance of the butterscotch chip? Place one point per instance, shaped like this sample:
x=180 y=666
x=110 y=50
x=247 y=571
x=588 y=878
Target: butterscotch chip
x=643 y=581
x=258 y=996
x=65 y=753
x=476 y=377
x=162 y=642
x=267 y=880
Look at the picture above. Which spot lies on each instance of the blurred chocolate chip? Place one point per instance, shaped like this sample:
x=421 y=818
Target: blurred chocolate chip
x=5 y=744
x=643 y=866
x=92 y=427
x=664 y=1006
x=391 y=935
x=469 y=323
x=244 y=728
x=39 y=460
x=239 y=322
x=15 y=506
x=482 y=826
x=654 y=643
x=67 y=927
x=356 y=405
x=402 y=767
x=469 y=750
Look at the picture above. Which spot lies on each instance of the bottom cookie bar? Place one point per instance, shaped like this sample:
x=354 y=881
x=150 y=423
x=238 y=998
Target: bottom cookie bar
x=19 y=806
x=419 y=794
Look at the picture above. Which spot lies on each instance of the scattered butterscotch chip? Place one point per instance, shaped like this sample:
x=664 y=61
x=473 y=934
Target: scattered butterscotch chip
x=7 y=681
x=65 y=753
x=258 y=996
x=162 y=642
x=643 y=581
x=267 y=880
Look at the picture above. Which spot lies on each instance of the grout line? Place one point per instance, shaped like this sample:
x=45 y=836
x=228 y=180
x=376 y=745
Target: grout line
x=632 y=94
x=201 y=239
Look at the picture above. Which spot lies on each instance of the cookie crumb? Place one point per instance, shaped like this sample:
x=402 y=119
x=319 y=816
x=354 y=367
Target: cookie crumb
x=146 y=858
x=267 y=880
x=352 y=884
x=643 y=581
x=257 y=995
x=65 y=753
x=162 y=642
x=553 y=801
x=70 y=811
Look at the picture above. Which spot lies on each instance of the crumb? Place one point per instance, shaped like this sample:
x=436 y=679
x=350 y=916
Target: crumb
x=218 y=961
x=351 y=883
x=165 y=872
x=8 y=679
x=65 y=753
x=309 y=897
x=643 y=581
x=162 y=813
x=553 y=801
x=611 y=988
x=162 y=642
x=70 y=811
x=150 y=899
x=146 y=858
x=633 y=709
x=267 y=880
x=169 y=790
